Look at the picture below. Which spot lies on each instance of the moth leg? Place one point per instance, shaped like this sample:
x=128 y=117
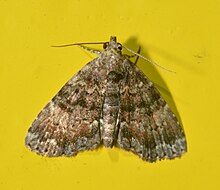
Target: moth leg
x=90 y=49
x=139 y=50
x=130 y=56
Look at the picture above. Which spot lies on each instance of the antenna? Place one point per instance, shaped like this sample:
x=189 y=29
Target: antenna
x=150 y=61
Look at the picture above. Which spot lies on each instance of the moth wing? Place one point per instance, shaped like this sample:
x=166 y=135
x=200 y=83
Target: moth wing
x=147 y=125
x=69 y=123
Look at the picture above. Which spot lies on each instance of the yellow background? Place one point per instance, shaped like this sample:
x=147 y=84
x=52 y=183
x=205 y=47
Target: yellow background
x=179 y=35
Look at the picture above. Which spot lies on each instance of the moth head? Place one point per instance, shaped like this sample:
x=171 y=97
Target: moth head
x=112 y=45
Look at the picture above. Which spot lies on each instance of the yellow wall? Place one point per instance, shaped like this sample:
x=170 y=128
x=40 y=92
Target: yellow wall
x=179 y=35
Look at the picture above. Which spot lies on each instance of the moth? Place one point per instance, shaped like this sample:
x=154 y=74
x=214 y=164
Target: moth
x=111 y=102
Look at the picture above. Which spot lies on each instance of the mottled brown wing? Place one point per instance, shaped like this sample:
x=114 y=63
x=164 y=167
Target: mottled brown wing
x=147 y=126
x=69 y=123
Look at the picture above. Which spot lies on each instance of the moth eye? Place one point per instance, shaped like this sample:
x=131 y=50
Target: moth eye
x=105 y=45
x=119 y=46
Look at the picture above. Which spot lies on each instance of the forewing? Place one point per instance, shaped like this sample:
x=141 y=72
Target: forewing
x=147 y=125
x=69 y=123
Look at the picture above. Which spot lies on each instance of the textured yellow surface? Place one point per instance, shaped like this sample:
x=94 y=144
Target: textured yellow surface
x=179 y=35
